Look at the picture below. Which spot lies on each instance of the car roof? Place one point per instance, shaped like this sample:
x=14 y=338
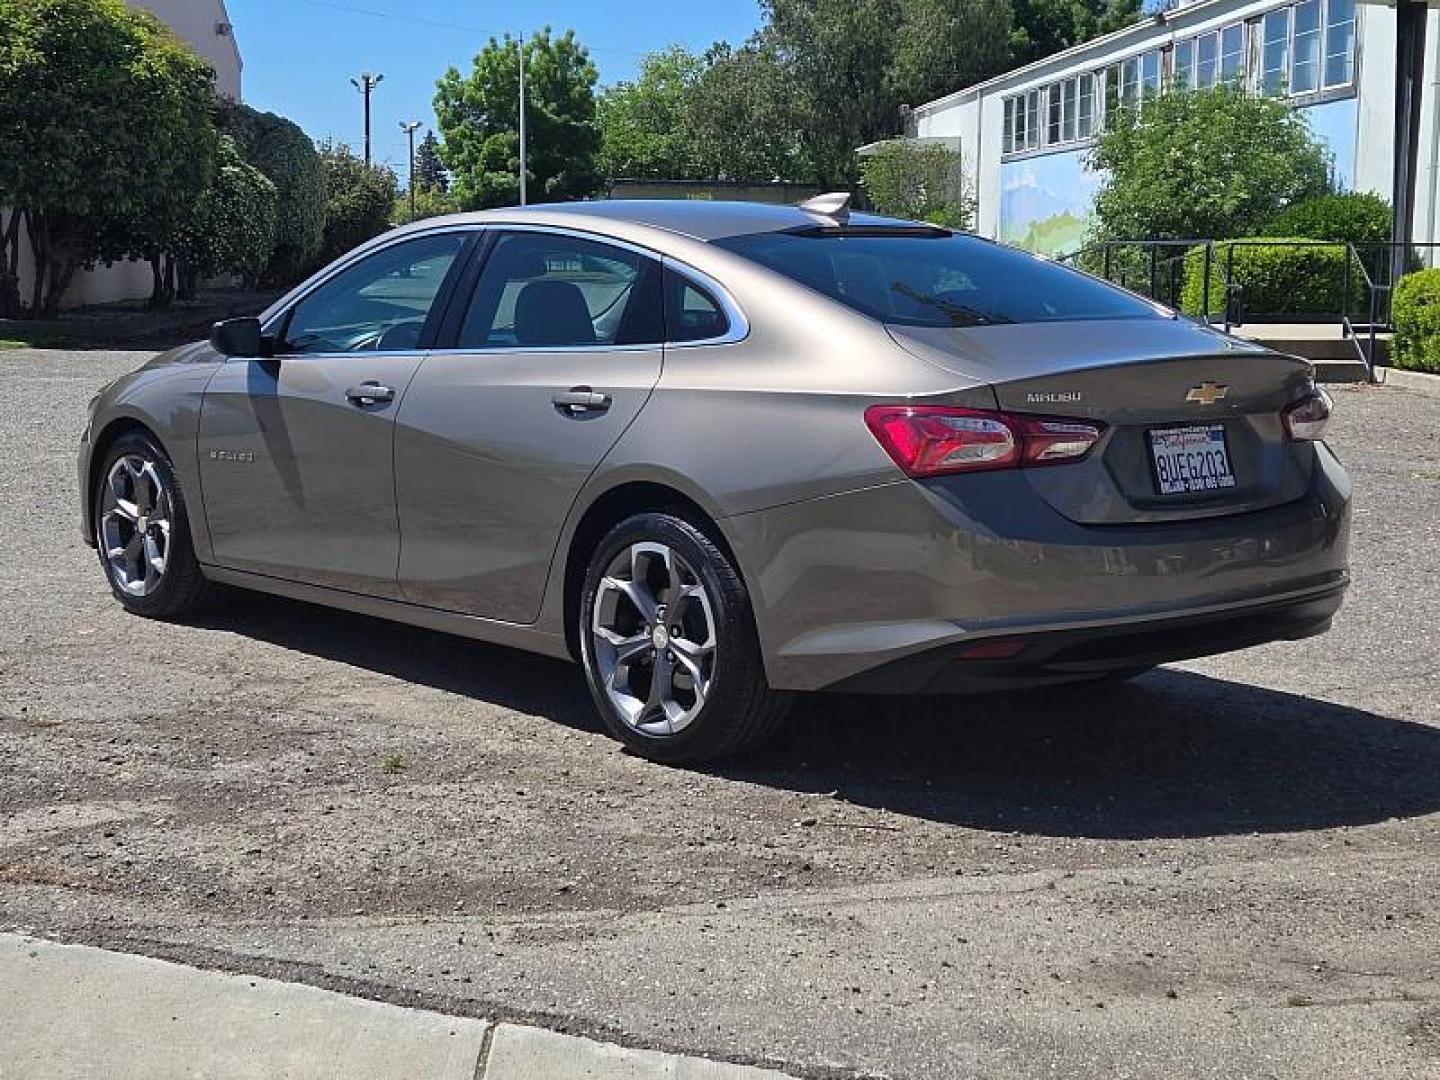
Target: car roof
x=701 y=219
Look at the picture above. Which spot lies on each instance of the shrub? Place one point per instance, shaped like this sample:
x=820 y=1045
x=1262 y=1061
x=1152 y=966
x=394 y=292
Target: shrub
x=919 y=181
x=1357 y=217
x=360 y=200
x=1287 y=276
x=1415 y=311
x=285 y=154
x=233 y=228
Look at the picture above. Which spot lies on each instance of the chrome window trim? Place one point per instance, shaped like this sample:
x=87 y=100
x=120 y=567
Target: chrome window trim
x=738 y=328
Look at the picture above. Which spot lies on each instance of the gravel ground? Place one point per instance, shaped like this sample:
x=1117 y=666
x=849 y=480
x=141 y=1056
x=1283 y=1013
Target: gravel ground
x=1229 y=868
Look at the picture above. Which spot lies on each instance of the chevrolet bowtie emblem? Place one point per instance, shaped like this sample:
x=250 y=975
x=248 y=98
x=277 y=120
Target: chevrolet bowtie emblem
x=1207 y=393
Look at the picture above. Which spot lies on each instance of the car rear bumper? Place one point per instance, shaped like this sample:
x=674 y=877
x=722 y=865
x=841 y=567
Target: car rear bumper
x=853 y=585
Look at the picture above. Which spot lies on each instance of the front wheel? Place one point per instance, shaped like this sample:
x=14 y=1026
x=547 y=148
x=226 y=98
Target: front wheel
x=669 y=644
x=142 y=531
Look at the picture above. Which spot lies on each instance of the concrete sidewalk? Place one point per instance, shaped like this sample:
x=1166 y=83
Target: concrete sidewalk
x=68 y=1012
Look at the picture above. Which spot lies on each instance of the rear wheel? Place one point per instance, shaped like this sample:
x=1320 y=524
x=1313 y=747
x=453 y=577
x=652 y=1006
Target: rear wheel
x=669 y=644
x=142 y=531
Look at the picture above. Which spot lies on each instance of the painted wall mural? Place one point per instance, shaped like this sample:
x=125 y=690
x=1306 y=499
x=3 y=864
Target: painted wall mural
x=1046 y=202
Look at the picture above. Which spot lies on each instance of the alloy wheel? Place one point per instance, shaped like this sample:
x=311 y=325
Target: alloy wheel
x=654 y=636
x=134 y=526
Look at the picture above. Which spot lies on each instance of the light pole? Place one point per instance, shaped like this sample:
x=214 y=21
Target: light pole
x=522 y=119
x=366 y=84
x=410 y=128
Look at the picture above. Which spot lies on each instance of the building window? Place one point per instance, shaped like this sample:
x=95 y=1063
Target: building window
x=1305 y=49
x=1275 y=52
x=1150 y=73
x=1207 y=60
x=1068 y=95
x=1339 y=42
x=1007 y=139
x=1182 y=74
x=1085 y=117
x=1130 y=82
x=1052 y=131
x=1032 y=120
x=1232 y=53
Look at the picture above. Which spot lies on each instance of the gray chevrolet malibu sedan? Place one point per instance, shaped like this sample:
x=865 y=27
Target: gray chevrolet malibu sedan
x=720 y=453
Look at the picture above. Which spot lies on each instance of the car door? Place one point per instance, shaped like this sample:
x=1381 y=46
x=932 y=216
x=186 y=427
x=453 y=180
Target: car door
x=558 y=349
x=297 y=449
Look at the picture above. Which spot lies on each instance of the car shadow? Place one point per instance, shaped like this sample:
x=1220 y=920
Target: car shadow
x=1172 y=754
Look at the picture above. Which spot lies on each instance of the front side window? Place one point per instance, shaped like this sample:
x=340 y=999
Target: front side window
x=548 y=290
x=380 y=304
x=1339 y=42
x=1275 y=52
x=936 y=279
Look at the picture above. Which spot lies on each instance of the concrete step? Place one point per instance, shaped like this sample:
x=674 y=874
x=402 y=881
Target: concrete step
x=1336 y=357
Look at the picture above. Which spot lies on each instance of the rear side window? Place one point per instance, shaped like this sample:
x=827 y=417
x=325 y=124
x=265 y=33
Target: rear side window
x=936 y=279
x=691 y=312
x=550 y=290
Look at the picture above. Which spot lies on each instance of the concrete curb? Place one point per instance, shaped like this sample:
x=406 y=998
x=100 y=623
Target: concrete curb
x=1421 y=381
x=71 y=1012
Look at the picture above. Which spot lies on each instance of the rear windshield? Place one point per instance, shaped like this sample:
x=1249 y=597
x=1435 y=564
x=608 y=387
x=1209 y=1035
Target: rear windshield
x=936 y=279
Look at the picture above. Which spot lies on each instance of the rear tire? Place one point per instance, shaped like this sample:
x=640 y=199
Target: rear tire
x=142 y=531
x=669 y=646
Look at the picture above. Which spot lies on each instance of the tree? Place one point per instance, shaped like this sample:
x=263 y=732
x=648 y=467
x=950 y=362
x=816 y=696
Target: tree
x=746 y=117
x=360 y=200
x=944 y=45
x=233 y=229
x=105 y=133
x=836 y=54
x=429 y=202
x=1045 y=27
x=287 y=157
x=919 y=181
x=646 y=126
x=430 y=174
x=479 y=121
x=1203 y=163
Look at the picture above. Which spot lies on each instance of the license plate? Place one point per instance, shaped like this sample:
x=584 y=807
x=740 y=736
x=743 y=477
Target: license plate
x=1191 y=459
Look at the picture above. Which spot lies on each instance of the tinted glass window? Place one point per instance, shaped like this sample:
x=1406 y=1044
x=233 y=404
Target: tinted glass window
x=378 y=305
x=548 y=290
x=691 y=313
x=922 y=279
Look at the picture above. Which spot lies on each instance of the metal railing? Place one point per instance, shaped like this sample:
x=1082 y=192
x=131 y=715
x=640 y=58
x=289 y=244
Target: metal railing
x=1359 y=302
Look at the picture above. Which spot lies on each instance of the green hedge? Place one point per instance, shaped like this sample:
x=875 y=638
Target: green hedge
x=1285 y=276
x=1415 y=311
x=1356 y=216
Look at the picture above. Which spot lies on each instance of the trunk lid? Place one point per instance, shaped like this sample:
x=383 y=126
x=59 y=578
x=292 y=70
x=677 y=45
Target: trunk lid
x=1157 y=385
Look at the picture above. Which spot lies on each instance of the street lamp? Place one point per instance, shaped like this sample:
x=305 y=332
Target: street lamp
x=522 y=119
x=366 y=84
x=410 y=127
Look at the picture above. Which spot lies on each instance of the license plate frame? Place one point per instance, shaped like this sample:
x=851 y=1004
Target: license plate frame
x=1190 y=460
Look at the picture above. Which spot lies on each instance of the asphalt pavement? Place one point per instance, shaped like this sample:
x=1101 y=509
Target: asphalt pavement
x=1228 y=868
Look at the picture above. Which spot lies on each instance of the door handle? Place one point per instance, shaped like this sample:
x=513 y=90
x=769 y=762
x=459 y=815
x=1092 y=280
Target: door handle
x=581 y=400
x=370 y=393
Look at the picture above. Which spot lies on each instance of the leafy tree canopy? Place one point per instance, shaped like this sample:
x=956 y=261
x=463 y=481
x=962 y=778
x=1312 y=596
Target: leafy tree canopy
x=918 y=181
x=430 y=174
x=360 y=200
x=1203 y=163
x=233 y=229
x=1045 y=27
x=479 y=117
x=646 y=126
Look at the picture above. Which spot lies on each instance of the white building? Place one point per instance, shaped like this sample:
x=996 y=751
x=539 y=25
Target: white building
x=1024 y=135
x=205 y=26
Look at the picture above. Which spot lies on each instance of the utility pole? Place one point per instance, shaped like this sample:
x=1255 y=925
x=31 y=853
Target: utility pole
x=366 y=84
x=522 y=119
x=410 y=129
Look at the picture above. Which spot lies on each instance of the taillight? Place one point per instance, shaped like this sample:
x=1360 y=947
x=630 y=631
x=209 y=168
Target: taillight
x=929 y=440
x=1306 y=420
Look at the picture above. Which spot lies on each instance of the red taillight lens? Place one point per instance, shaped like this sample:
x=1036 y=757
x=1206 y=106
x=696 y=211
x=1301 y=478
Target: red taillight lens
x=929 y=440
x=1306 y=420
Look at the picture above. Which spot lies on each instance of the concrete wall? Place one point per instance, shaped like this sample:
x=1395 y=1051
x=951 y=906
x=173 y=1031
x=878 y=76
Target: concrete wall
x=196 y=23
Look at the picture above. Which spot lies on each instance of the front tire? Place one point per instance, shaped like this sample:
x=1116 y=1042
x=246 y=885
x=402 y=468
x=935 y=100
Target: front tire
x=142 y=531
x=669 y=645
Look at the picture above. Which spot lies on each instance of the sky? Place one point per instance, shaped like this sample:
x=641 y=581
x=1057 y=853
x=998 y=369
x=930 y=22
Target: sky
x=300 y=55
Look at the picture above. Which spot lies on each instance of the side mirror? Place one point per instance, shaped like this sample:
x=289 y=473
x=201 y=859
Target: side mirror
x=237 y=337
